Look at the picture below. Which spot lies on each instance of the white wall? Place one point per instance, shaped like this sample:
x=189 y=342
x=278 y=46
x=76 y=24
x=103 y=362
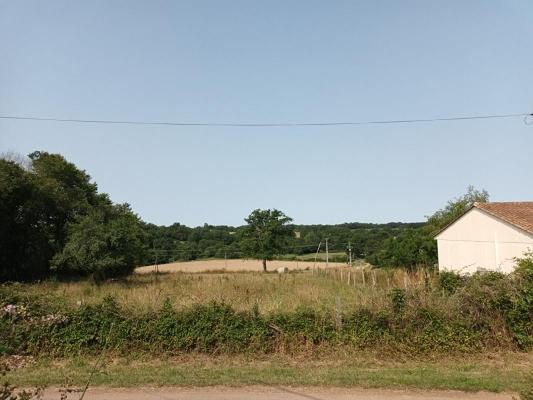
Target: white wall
x=478 y=240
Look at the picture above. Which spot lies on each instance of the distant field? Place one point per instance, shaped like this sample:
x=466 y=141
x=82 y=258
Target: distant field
x=234 y=265
x=336 y=256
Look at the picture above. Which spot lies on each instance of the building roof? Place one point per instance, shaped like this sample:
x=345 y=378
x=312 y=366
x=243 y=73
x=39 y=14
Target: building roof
x=519 y=214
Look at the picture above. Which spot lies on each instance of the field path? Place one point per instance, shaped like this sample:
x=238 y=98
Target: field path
x=233 y=265
x=275 y=393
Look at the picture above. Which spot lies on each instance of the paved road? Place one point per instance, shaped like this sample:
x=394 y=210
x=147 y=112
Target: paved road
x=272 y=393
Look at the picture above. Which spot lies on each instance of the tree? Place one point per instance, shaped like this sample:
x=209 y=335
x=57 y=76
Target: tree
x=266 y=234
x=24 y=240
x=66 y=192
x=455 y=208
x=105 y=243
x=408 y=249
x=416 y=247
x=39 y=197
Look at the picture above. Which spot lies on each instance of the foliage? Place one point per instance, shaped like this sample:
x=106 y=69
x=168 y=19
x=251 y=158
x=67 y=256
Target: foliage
x=266 y=235
x=24 y=232
x=508 y=300
x=412 y=248
x=105 y=243
x=409 y=249
x=450 y=281
x=487 y=312
x=455 y=208
x=44 y=206
x=181 y=243
x=398 y=299
x=524 y=266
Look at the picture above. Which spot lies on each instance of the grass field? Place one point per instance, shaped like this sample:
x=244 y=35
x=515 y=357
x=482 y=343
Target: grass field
x=495 y=373
x=320 y=289
x=338 y=290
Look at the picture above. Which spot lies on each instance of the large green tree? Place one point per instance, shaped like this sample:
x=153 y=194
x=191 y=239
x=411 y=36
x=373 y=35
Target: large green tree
x=24 y=231
x=105 y=243
x=455 y=208
x=266 y=234
x=50 y=209
x=66 y=192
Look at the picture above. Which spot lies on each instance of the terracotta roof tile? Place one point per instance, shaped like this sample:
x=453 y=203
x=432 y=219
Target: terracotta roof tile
x=519 y=214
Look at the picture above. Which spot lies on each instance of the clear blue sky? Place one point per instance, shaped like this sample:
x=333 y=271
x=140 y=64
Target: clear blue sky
x=275 y=61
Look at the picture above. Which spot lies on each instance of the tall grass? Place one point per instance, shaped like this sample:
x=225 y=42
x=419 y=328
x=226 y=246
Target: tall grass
x=271 y=293
x=392 y=311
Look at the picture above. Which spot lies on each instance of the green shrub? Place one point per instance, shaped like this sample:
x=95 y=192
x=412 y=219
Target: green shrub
x=492 y=296
x=450 y=281
x=398 y=298
x=489 y=311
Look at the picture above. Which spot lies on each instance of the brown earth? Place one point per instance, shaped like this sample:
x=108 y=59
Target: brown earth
x=275 y=393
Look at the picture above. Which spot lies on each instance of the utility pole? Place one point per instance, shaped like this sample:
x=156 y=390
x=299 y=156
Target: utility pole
x=350 y=253
x=327 y=253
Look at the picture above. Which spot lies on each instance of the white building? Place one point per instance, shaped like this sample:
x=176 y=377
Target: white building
x=487 y=237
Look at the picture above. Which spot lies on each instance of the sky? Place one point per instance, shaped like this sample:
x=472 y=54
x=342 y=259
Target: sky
x=275 y=62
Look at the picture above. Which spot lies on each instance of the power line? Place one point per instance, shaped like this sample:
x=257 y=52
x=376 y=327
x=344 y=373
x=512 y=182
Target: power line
x=259 y=125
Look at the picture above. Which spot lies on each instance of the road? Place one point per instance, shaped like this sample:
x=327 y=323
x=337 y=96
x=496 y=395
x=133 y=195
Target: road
x=273 y=393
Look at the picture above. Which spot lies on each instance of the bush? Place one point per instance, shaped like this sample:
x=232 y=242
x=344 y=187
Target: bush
x=450 y=281
x=398 y=299
x=524 y=266
x=491 y=298
x=488 y=311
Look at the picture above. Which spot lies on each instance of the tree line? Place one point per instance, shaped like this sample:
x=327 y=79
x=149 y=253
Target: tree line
x=55 y=223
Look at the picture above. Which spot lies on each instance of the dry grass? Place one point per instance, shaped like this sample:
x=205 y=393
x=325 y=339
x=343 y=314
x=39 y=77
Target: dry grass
x=316 y=288
x=233 y=265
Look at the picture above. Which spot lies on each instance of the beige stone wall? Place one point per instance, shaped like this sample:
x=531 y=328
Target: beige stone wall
x=478 y=240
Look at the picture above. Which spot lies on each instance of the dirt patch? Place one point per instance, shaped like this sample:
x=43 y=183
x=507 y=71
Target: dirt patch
x=276 y=393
